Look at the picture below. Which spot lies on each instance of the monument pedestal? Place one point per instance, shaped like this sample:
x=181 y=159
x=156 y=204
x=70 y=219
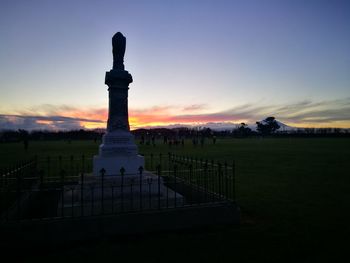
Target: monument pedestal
x=118 y=150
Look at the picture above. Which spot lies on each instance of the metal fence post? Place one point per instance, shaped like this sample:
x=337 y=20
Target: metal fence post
x=213 y=181
x=34 y=167
x=59 y=163
x=158 y=173
x=131 y=194
x=191 y=174
x=175 y=170
x=149 y=181
x=200 y=179
x=7 y=194
x=41 y=174
x=113 y=197
x=48 y=166
x=140 y=195
x=71 y=167
x=72 y=207
x=122 y=171
x=83 y=163
x=206 y=179
x=220 y=179
x=102 y=171
x=82 y=195
x=190 y=181
x=18 y=179
x=92 y=199
x=226 y=181
x=2 y=178
x=169 y=160
x=234 y=181
x=62 y=190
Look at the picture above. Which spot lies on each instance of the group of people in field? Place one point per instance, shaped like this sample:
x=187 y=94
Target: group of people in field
x=175 y=141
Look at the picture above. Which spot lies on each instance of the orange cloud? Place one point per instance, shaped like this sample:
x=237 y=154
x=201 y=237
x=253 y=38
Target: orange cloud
x=334 y=113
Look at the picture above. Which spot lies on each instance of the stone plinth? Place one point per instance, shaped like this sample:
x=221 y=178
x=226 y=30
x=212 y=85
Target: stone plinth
x=118 y=194
x=118 y=150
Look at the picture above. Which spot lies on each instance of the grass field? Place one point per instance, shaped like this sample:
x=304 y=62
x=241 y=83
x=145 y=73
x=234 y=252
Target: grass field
x=294 y=196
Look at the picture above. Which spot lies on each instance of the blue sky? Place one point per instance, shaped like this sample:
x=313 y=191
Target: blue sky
x=189 y=60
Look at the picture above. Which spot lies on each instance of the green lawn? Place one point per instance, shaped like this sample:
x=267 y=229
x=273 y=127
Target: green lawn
x=294 y=195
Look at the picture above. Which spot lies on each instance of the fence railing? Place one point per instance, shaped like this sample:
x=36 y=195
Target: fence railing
x=15 y=173
x=61 y=187
x=13 y=180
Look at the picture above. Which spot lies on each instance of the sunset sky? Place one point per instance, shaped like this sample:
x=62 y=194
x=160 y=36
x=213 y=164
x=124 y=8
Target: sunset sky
x=193 y=62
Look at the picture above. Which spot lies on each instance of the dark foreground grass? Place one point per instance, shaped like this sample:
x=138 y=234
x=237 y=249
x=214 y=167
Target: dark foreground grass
x=294 y=195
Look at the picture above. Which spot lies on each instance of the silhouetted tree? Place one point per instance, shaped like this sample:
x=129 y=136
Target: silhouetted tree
x=243 y=129
x=267 y=126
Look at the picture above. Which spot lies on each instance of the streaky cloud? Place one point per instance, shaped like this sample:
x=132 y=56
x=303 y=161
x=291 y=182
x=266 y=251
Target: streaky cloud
x=49 y=118
x=306 y=113
x=14 y=122
x=195 y=107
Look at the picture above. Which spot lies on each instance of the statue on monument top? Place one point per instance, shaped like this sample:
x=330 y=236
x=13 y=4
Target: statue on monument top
x=118 y=43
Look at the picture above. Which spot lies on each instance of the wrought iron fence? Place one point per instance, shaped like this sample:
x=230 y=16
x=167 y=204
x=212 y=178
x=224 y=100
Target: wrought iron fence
x=64 y=187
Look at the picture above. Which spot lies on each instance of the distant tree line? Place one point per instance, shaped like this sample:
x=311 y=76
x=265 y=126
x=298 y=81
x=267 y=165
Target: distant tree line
x=22 y=135
x=268 y=127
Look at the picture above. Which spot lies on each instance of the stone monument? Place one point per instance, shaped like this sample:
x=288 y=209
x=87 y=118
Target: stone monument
x=118 y=149
x=108 y=189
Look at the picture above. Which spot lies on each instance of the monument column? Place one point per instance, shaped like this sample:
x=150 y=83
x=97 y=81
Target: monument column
x=118 y=149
